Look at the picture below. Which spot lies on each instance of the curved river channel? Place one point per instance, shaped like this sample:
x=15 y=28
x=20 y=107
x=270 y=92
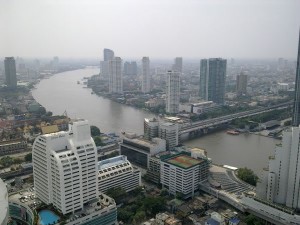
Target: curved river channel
x=61 y=93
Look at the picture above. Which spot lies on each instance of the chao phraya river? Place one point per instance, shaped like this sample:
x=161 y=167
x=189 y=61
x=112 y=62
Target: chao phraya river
x=61 y=93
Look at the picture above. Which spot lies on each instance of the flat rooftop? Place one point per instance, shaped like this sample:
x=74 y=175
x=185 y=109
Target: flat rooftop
x=184 y=161
x=112 y=162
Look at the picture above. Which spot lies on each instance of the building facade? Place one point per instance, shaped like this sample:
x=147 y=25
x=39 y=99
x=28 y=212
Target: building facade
x=169 y=132
x=130 y=68
x=296 y=108
x=172 y=92
x=108 y=54
x=115 y=76
x=177 y=66
x=12 y=146
x=10 y=72
x=146 y=76
x=150 y=128
x=65 y=167
x=212 y=79
x=241 y=84
x=4 y=211
x=118 y=172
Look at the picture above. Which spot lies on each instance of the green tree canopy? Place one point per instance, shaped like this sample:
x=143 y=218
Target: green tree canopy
x=28 y=157
x=95 y=131
x=247 y=175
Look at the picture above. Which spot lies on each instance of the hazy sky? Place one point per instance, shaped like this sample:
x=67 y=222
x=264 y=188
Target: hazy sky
x=155 y=28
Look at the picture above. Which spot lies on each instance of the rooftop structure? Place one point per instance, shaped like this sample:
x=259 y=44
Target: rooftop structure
x=183 y=161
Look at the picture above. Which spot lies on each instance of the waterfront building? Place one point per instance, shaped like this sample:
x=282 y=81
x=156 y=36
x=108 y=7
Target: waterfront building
x=146 y=76
x=212 y=79
x=150 y=128
x=241 y=84
x=172 y=92
x=65 y=167
x=182 y=174
x=3 y=204
x=169 y=132
x=130 y=68
x=296 y=108
x=118 y=172
x=177 y=66
x=108 y=54
x=10 y=72
x=139 y=150
x=115 y=75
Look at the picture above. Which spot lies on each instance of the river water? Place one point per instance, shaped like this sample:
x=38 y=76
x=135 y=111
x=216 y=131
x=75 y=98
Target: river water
x=61 y=93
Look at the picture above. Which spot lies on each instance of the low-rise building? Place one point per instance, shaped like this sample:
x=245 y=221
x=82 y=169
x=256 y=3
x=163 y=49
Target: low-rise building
x=13 y=146
x=118 y=172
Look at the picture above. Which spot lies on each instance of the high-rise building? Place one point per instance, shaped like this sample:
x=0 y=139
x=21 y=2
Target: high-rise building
x=115 y=75
x=212 y=79
x=151 y=128
x=65 y=167
x=296 y=112
x=130 y=68
x=241 y=84
x=146 y=77
x=177 y=66
x=169 y=132
x=10 y=72
x=3 y=204
x=104 y=65
x=172 y=92
x=108 y=54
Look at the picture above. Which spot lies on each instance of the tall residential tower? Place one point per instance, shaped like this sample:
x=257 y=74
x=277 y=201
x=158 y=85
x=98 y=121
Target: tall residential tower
x=115 y=75
x=10 y=72
x=296 y=112
x=172 y=92
x=146 y=77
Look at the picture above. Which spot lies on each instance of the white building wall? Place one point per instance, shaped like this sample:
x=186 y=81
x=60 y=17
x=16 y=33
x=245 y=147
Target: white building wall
x=115 y=76
x=146 y=76
x=172 y=92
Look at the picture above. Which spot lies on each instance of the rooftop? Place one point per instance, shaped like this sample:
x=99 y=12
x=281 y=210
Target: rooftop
x=184 y=161
x=112 y=162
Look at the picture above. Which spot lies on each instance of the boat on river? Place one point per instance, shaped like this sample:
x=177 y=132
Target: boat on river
x=232 y=132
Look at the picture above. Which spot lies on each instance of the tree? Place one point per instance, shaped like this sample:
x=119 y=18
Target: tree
x=98 y=141
x=138 y=217
x=6 y=161
x=247 y=175
x=118 y=194
x=28 y=157
x=95 y=131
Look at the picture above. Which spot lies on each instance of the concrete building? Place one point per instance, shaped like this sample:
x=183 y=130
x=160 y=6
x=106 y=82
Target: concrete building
x=177 y=66
x=115 y=75
x=104 y=65
x=169 y=132
x=12 y=146
x=3 y=204
x=182 y=174
x=118 y=172
x=296 y=108
x=65 y=167
x=281 y=181
x=130 y=68
x=108 y=54
x=212 y=79
x=146 y=76
x=172 y=92
x=139 y=150
x=150 y=128
x=10 y=72
x=241 y=84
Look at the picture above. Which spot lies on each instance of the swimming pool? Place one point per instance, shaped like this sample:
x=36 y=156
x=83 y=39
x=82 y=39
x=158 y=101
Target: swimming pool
x=47 y=217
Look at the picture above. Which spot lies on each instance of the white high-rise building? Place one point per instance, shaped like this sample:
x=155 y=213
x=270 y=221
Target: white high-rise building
x=65 y=167
x=169 y=132
x=108 y=54
x=280 y=183
x=172 y=92
x=115 y=76
x=146 y=77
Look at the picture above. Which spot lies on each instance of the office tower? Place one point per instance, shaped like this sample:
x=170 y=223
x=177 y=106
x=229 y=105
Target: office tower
x=130 y=68
x=241 y=84
x=65 y=167
x=10 y=72
x=296 y=109
x=118 y=172
x=108 y=54
x=115 y=75
x=212 y=79
x=146 y=77
x=169 y=132
x=150 y=128
x=104 y=65
x=177 y=66
x=172 y=92
x=4 y=210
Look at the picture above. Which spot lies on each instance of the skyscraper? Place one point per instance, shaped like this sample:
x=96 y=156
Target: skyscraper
x=172 y=92
x=130 y=68
x=212 y=79
x=104 y=65
x=296 y=109
x=108 y=54
x=146 y=77
x=241 y=84
x=65 y=167
x=10 y=72
x=115 y=75
x=178 y=65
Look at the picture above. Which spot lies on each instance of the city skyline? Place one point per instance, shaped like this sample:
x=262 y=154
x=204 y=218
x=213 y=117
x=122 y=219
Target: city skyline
x=81 y=29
